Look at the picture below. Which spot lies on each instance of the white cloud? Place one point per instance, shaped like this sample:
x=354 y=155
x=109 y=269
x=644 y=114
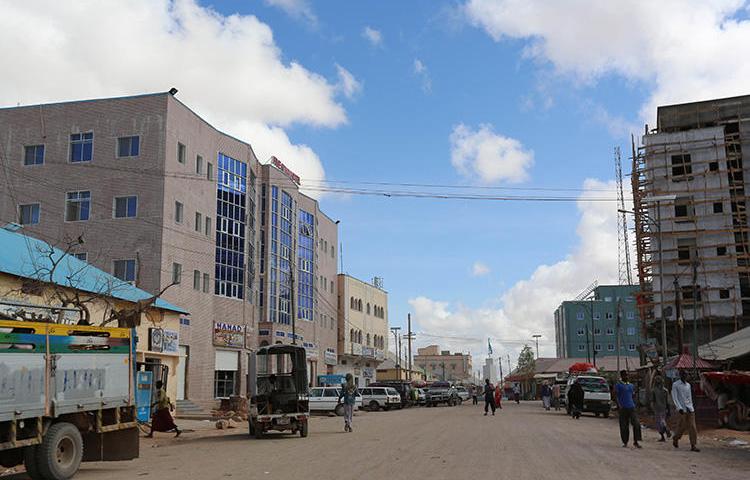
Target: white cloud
x=347 y=84
x=420 y=69
x=373 y=36
x=479 y=269
x=488 y=156
x=227 y=68
x=527 y=307
x=299 y=9
x=682 y=50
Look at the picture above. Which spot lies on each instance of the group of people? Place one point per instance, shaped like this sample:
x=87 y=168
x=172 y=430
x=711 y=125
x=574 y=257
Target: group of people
x=493 y=396
x=682 y=398
x=551 y=396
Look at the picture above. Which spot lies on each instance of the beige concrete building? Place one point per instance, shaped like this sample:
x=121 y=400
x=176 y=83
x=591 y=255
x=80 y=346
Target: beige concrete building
x=26 y=281
x=297 y=270
x=443 y=365
x=160 y=197
x=363 y=328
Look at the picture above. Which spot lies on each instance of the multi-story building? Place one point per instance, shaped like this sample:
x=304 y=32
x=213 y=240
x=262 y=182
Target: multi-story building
x=442 y=364
x=297 y=270
x=689 y=184
x=363 y=327
x=159 y=198
x=489 y=371
x=588 y=327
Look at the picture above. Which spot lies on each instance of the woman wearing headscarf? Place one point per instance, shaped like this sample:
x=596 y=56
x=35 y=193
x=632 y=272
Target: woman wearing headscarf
x=162 y=420
x=349 y=397
x=498 y=395
x=575 y=398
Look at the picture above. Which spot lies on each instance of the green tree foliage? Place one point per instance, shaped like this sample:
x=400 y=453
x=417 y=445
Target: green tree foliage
x=526 y=361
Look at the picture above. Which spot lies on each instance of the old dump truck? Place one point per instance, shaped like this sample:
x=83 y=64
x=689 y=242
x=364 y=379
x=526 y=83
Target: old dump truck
x=66 y=396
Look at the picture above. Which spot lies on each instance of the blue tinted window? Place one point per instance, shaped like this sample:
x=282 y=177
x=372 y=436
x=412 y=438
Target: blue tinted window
x=231 y=228
x=28 y=214
x=33 y=155
x=126 y=207
x=77 y=206
x=81 y=147
x=128 y=146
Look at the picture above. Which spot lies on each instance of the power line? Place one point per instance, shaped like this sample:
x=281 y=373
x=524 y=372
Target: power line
x=455 y=186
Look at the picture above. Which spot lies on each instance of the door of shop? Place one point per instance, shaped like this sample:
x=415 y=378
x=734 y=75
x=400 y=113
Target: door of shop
x=182 y=372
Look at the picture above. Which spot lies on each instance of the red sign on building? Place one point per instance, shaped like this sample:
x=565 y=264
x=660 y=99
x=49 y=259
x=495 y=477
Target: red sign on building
x=277 y=163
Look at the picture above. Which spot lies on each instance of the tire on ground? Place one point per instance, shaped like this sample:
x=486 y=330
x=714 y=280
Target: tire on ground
x=30 y=461
x=60 y=453
x=339 y=410
x=303 y=429
x=373 y=406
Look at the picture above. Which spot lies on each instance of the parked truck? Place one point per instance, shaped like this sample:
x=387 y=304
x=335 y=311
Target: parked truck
x=66 y=396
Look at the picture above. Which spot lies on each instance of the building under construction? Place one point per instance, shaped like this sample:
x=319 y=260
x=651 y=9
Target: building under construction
x=691 y=221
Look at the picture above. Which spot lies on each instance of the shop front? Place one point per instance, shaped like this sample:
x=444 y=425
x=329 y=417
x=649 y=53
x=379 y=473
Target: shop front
x=229 y=340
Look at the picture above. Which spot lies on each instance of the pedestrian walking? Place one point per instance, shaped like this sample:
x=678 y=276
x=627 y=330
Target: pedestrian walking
x=546 y=395
x=348 y=396
x=575 y=399
x=475 y=394
x=682 y=396
x=624 y=394
x=556 y=396
x=660 y=406
x=498 y=396
x=161 y=420
x=516 y=394
x=489 y=400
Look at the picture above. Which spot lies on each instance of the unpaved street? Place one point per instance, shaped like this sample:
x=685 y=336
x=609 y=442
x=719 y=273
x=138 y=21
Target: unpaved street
x=521 y=442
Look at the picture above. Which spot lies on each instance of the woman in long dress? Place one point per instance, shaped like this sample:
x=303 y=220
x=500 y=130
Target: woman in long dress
x=161 y=420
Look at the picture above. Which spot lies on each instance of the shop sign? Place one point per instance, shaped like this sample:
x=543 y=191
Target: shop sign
x=156 y=340
x=171 y=342
x=277 y=163
x=368 y=373
x=356 y=349
x=229 y=335
x=368 y=352
x=312 y=353
x=379 y=355
x=330 y=358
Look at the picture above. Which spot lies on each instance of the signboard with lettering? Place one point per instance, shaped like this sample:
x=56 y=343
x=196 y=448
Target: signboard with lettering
x=229 y=335
x=277 y=163
x=330 y=358
x=156 y=339
x=171 y=343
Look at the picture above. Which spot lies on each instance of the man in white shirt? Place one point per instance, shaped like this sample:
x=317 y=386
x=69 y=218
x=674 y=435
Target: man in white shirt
x=682 y=396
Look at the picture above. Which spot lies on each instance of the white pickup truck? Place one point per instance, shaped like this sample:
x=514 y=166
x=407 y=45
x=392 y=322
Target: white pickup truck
x=596 y=395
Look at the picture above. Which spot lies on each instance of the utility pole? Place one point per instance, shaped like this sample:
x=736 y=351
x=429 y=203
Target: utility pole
x=588 y=346
x=293 y=306
x=395 y=331
x=593 y=332
x=617 y=332
x=409 y=338
x=678 y=316
x=509 y=370
x=500 y=364
x=695 y=312
x=536 y=339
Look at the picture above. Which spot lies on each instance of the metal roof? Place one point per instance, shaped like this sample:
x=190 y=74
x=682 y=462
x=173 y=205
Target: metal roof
x=27 y=257
x=731 y=346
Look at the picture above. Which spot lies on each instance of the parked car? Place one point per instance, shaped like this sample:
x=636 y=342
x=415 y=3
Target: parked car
x=463 y=393
x=375 y=398
x=442 y=392
x=596 y=395
x=326 y=399
x=421 y=396
x=403 y=387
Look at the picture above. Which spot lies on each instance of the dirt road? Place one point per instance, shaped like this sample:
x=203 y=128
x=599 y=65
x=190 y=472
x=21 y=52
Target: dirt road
x=520 y=442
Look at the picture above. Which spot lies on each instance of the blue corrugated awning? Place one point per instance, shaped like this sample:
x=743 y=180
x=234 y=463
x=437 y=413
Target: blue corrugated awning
x=28 y=257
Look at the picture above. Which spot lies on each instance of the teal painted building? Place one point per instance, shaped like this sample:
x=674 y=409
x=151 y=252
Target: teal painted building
x=585 y=327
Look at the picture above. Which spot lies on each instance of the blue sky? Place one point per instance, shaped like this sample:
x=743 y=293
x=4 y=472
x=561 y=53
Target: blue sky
x=502 y=93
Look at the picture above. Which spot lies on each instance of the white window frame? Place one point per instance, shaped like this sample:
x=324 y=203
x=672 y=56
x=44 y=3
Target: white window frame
x=114 y=206
x=135 y=269
x=117 y=147
x=21 y=205
x=65 y=210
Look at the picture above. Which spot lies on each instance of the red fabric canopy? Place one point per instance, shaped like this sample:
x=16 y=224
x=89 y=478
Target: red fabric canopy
x=685 y=360
x=582 y=367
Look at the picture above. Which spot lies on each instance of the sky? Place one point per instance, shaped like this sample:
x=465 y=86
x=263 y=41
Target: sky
x=501 y=96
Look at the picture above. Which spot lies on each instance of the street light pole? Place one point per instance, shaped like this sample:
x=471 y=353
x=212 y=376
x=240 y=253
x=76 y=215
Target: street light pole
x=661 y=282
x=395 y=331
x=536 y=339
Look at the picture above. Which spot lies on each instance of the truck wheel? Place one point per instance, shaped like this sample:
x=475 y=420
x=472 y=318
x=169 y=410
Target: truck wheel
x=339 y=410
x=31 y=462
x=606 y=414
x=303 y=429
x=60 y=453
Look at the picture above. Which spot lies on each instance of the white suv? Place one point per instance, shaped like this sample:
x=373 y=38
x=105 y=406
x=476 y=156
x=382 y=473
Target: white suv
x=326 y=399
x=376 y=398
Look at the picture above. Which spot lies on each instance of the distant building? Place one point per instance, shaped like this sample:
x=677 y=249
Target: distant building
x=587 y=327
x=443 y=365
x=363 y=328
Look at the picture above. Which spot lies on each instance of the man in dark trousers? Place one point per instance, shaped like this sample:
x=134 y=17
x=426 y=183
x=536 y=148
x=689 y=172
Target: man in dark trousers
x=626 y=407
x=489 y=396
